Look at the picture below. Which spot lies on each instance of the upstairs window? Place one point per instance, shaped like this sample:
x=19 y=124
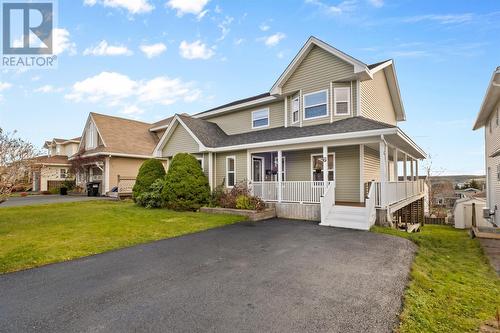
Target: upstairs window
x=295 y=110
x=315 y=104
x=63 y=173
x=342 y=98
x=230 y=171
x=260 y=118
x=91 y=136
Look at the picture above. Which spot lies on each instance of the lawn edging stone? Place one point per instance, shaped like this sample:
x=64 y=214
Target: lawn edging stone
x=252 y=215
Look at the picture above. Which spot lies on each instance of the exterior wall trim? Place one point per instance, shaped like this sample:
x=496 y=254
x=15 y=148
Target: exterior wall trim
x=173 y=124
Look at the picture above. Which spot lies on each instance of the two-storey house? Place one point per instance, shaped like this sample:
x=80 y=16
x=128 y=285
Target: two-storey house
x=489 y=118
x=51 y=170
x=321 y=144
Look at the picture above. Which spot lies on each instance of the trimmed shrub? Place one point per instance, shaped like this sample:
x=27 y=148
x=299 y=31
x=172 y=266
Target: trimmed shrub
x=152 y=198
x=186 y=186
x=150 y=171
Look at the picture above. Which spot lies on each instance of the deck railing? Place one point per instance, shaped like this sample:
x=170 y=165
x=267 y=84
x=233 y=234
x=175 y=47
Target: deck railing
x=291 y=191
x=397 y=191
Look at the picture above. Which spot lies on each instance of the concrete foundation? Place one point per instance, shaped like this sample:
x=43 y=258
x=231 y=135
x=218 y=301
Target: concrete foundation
x=309 y=212
x=381 y=219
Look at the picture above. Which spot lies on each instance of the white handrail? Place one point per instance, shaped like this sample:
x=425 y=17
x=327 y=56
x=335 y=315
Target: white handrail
x=291 y=191
x=327 y=201
x=370 y=204
x=398 y=191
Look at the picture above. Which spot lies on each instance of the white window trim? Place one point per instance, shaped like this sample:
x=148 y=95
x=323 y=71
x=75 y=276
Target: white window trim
x=321 y=155
x=335 y=89
x=227 y=170
x=284 y=166
x=202 y=159
x=310 y=106
x=268 y=118
x=297 y=98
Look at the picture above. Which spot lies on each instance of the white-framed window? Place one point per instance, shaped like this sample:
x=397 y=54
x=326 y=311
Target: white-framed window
x=201 y=161
x=317 y=167
x=63 y=173
x=91 y=136
x=230 y=171
x=283 y=168
x=260 y=118
x=316 y=105
x=342 y=101
x=58 y=150
x=295 y=109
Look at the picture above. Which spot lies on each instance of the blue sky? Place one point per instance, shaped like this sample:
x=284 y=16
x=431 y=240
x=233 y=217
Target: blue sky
x=148 y=59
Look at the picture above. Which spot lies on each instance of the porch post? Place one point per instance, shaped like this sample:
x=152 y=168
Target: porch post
x=325 y=166
x=405 y=161
x=210 y=172
x=249 y=169
x=395 y=158
x=411 y=170
x=280 y=167
x=383 y=172
x=416 y=169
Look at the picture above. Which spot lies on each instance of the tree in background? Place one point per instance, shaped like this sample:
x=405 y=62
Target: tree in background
x=186 y=186
x=149 y=172
x=474 y=184
x=16 y=158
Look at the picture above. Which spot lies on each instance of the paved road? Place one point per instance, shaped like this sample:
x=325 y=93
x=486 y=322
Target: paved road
x=275 y=276
x=45 y=199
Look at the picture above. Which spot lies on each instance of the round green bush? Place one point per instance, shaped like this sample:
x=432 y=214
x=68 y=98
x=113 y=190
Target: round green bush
x=186 y=186
x=150 y=171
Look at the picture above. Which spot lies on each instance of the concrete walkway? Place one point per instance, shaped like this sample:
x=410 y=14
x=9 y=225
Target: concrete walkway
x=491 y=248
x=273 y=276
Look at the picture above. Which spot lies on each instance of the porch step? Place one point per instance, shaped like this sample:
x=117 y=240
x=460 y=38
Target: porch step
x=347 y=217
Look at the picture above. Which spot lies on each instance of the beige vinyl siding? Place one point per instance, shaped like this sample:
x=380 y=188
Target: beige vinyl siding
x=492 y=142
x=220 y=166
x=376 y=100
x=299 y=167
x=180 y=142
x=315 y=73
x=371 y=165
x=124 y=167
x=241 y=121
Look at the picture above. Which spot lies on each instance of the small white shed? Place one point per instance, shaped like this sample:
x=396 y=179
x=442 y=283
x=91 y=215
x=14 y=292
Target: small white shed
x=462 y=212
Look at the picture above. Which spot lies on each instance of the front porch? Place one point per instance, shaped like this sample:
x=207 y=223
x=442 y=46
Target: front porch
x=370 y=180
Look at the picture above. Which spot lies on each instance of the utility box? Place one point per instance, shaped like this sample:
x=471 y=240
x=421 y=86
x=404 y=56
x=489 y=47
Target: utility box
x=487 y=213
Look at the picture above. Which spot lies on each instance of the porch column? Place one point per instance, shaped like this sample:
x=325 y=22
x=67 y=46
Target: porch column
x=416 y=169
x=106 y=174
x=405 y=162
x=280 y=170
x=325 y=166
x=395 y=158
x=411 y=169
x=210 y=172
x=383 y=172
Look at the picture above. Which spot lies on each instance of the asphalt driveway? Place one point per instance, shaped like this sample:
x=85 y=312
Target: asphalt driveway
x=275 y=276
x=46 y=199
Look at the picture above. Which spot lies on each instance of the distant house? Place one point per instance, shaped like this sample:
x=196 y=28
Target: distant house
x=443 y=195
x=51 y=170
x=467 y=193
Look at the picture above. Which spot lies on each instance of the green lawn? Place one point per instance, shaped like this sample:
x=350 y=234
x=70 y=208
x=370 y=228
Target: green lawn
x=38 y=235
x=452 y=288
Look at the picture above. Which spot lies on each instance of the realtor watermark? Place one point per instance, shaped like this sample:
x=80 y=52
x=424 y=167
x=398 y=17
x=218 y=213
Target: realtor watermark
x=27 y=34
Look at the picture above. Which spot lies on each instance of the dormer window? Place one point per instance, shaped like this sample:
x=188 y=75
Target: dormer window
x=260 y=118
x=342 y=99
x=91 y=136
x=315 y=105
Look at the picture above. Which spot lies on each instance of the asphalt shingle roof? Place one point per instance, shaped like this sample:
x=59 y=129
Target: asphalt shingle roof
x=211 y=135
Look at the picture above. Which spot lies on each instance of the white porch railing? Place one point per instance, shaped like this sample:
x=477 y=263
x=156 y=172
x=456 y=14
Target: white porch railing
x=291 y=191
x=397 y=191
x=327 y=201
x=370 y=205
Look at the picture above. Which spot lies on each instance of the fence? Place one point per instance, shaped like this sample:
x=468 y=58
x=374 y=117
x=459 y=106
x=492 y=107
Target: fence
x=435 y=220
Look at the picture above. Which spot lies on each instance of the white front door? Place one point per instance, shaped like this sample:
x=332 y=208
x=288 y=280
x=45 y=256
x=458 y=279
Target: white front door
x=258 y=169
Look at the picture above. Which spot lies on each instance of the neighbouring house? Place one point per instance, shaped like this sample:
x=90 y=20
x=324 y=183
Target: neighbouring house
x=489 y=118
x=51 y=170
x=111 y=152
x=467 y=193
x=322 y=144
x=443 y=195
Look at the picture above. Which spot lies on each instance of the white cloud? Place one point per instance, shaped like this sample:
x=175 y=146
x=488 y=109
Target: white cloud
x=195 y=50
x=239 y=41
x=132 y=110
x=115 y=89
x=273 y=39
x=376 y=3
x=441 y=19
x=4 y=86
x=132 y=6
x=264 y=26
x=48 y=89
x=224 y=27
x=104 y=49
x=62 y=43
x=182 y=7
x=153 y=50
x=342 y=7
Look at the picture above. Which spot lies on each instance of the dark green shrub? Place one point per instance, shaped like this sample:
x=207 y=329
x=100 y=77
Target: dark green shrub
x=186 y=186
x=152 y=198
x=150 y=171
x=69 y=184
